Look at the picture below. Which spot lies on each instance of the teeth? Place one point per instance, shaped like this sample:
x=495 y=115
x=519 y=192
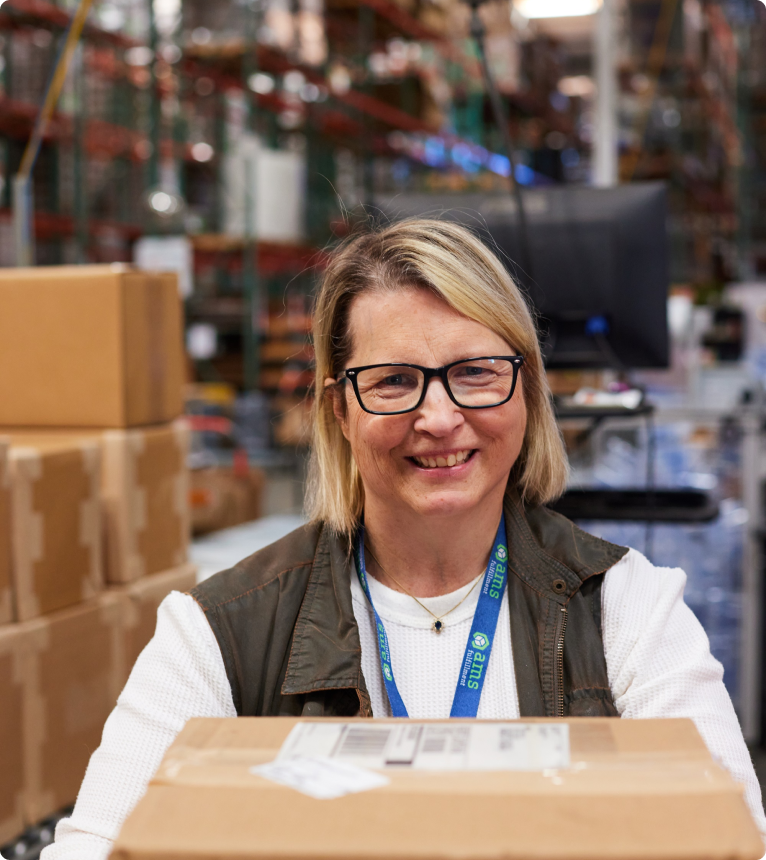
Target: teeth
x=449 y=460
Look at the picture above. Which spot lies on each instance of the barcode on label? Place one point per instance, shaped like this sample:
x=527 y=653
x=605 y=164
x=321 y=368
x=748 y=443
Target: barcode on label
x=434 y=743
x=363 y=742
x=511 y=736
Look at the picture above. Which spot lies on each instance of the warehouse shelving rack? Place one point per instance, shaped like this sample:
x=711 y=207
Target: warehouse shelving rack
x=138 y=136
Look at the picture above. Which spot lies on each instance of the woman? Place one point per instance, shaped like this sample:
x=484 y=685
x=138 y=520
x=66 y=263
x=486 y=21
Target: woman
x=435 y=449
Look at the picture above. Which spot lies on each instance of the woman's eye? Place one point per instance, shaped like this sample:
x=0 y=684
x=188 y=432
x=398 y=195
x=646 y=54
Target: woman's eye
x=397 y=380
x=474 y=372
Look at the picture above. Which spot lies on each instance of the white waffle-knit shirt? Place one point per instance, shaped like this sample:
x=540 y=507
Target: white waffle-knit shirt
x=657 y=655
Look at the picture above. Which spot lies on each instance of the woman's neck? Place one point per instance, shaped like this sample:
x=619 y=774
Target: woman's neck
x=428 y=556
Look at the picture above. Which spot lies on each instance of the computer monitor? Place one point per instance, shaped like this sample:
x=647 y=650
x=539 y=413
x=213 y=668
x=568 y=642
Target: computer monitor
x=599 y=265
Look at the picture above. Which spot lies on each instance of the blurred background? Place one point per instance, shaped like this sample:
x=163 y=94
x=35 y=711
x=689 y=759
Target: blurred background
x=614 y=151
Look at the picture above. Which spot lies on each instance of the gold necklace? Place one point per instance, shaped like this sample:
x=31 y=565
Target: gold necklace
x=438 y=623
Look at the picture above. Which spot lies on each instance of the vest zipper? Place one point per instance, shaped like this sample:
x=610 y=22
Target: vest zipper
x=560 y=659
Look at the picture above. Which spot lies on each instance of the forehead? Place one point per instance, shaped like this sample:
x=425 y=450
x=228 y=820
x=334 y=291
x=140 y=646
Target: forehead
x=414 y=325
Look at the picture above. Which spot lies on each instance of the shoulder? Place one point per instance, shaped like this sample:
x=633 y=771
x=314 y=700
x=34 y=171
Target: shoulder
x=292 y=556
x=643 y=607
x=635 y=584
x=558 y=537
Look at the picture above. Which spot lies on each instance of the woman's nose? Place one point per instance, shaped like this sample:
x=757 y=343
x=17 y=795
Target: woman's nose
x=437 y=414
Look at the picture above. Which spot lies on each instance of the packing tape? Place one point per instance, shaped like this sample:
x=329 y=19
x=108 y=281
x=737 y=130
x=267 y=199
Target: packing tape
x=135 y=445
x=181 y=490
x=155 y=327
x=28 y=525
x=90 y=519
x=38 y=802
x=657 y=774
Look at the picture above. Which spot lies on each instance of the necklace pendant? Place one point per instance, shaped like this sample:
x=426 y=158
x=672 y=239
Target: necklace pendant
x=438 y=625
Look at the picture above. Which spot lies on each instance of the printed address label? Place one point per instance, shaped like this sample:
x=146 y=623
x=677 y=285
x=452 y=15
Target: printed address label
x=433 y=746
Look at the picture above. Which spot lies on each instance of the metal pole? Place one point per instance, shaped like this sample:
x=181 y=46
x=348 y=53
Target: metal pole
x=155 y=107
x=79 y=169
x=501 y=121
x=23 y=232
x=605 y=142
x=250 y=279
x=752 y=586
x=23 y=208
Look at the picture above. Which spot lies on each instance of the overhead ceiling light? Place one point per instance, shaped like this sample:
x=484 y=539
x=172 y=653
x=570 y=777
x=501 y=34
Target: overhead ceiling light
x=202 y=151
x=556 y=8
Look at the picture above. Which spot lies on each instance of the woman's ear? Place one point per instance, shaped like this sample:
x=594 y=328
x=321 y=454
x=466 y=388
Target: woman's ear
x=336 y=393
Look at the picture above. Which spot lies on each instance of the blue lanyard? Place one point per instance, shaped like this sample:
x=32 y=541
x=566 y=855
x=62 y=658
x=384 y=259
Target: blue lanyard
x=473 y=671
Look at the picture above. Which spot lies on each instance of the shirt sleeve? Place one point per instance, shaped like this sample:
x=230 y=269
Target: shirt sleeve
x=659 y=664
x=179 y=675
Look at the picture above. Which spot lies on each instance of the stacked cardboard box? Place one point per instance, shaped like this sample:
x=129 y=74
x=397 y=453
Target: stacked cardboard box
x=6 y=595
x=94 y=521
x=56 y=525
x=224 y=497
x=144 y=492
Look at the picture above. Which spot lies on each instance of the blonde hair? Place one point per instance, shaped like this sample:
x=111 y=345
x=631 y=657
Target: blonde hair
x=453 y=263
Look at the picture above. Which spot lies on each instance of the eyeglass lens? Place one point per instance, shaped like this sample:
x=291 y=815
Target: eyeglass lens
x=486 y=382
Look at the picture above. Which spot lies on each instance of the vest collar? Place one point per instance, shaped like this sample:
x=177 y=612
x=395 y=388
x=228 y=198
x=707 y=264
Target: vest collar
x=550 y=553
x=326 y=650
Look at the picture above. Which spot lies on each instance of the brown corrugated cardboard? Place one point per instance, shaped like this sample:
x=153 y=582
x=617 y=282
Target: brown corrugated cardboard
x=73 y=679
x=143 y=598
x=13 y=653
x=89 y=346
x=144 y=492
x=6 y=594
x=56 y=525
x=221 y=498
x=635 y=790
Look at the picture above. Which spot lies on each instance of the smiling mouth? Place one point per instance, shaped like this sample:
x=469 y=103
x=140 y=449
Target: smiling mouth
x=456 y=459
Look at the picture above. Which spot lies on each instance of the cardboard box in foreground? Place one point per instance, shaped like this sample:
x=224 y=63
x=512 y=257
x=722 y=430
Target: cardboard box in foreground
x=56 y=525
x=636 y=789
x=144 y=494
x=89 y=346
x=6 y=593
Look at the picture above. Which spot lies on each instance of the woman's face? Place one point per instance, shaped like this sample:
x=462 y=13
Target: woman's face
x=392 y=452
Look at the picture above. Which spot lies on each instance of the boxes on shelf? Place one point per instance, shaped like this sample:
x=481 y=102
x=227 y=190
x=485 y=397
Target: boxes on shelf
x=143 y=598
x=626 y=789
x=74 y=668
x=55 y=525
x=12 y=674
x=145 y=495
x=268 y=182
x=89 y=346
x=6 y=592
x=222 y=497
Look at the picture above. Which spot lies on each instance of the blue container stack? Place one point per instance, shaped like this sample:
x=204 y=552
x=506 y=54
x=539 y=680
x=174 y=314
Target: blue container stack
x=685 y=455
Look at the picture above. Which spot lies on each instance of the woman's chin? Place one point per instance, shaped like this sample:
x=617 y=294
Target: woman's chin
x=444 y=504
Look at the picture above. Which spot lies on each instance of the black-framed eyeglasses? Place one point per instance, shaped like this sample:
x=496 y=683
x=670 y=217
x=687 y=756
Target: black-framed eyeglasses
x=471 y=383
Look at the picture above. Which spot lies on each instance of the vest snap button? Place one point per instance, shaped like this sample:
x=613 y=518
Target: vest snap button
x=559 y=585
